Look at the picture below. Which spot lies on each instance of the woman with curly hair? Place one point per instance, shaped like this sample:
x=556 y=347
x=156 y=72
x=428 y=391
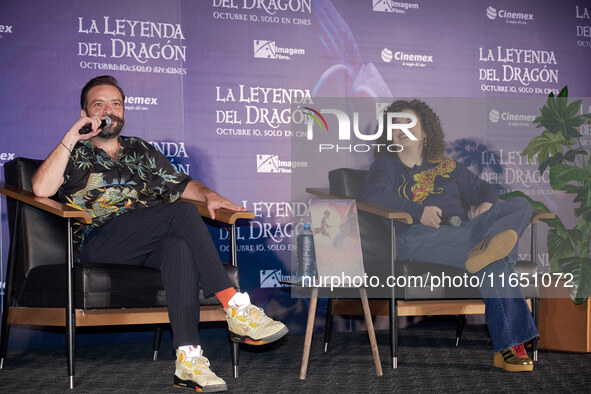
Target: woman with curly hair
x=432 y=188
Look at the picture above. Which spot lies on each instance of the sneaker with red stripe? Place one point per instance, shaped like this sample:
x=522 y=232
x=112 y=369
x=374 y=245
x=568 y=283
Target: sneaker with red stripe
x=514 y=359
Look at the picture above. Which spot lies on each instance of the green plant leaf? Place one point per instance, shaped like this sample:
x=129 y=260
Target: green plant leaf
x=561 y=174
x=583 y=211
x=561 y=246
x=571 y=155
x=551 y=161
x=580 y=268
x=563 y=92
x=573 y=108
x=543 y=145
x=569 y=132
x=552 y=118
x=582 y=193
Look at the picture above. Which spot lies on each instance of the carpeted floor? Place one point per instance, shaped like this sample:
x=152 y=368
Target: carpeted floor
x=428 y=362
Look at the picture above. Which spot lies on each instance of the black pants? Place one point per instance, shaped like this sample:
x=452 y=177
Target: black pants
x=174 y=239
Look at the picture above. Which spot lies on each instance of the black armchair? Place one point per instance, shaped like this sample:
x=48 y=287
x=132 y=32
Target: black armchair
x=379 y=255
x=45 y=286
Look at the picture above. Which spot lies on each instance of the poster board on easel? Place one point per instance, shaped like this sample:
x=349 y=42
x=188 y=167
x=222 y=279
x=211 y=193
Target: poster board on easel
x=336 y=238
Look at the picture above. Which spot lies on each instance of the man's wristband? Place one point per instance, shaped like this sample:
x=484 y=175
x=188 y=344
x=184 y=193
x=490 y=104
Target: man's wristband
x=64 y=145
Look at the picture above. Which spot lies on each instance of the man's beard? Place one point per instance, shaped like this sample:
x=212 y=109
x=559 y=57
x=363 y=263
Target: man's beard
x=114 y=130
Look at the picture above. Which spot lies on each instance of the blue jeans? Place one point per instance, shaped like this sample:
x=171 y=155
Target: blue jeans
x=507 y=315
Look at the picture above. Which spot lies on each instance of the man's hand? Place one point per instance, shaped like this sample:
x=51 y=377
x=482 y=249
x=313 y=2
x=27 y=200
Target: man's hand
x=485 y=206
x=49 y=177
x=431 y=216
x=215 y=201
x=94 y=123
x=196 y=190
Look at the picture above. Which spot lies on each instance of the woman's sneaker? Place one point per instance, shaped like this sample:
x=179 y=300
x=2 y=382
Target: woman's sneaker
x=249 y=324
x=514 y=359
x=194 y=373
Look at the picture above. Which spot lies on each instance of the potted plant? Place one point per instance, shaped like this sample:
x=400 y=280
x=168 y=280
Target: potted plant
x=563 y=150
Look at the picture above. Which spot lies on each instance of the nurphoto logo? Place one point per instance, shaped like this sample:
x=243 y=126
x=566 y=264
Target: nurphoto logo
x=403 y=121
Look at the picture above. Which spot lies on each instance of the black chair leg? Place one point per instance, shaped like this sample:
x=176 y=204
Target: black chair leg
x=5 y=327
x=7 y=301
x=534 y=344
x=71 y=345
x=235 y=355
x=5 y=330
x=394 y=332
x=460 y=328
x=70 y=311
x=157 y=340
x=328 y=324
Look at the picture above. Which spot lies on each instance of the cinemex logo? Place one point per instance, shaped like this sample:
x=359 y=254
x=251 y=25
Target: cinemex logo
x=270 y=164
x=6 y=157
x=393 y=6
x=141 y=100
x=5 y=29
x=265 y=49
x=140 y=103
x=513 y=119
x=509 y=16
x=273 y=278
x=406 y=59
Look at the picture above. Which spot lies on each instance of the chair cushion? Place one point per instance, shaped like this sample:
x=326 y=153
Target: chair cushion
x=99 y=285
x=347 y=182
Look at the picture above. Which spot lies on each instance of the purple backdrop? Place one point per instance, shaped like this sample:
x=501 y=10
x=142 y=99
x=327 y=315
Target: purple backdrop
x=210 y=83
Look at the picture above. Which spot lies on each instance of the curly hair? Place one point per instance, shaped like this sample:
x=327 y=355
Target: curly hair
x=435 y=147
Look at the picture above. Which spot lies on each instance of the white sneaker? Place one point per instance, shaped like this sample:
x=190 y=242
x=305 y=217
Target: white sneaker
x=194 y=373
x=249 y=324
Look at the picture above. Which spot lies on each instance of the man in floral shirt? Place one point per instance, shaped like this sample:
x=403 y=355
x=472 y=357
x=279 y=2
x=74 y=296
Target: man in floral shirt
x=121 y=182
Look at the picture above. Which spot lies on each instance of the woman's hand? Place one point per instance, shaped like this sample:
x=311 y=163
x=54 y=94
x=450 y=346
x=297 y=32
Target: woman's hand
x=431 y=216
x=485 y=206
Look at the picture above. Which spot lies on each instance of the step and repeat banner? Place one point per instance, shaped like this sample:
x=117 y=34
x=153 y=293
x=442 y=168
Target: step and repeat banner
x=211 y=84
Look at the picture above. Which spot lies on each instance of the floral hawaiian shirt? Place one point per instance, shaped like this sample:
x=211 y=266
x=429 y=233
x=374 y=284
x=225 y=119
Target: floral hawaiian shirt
x=95 y=183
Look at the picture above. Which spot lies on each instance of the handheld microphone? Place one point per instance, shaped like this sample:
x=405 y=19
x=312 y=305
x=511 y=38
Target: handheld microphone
x=453 y=221
x=88 y=128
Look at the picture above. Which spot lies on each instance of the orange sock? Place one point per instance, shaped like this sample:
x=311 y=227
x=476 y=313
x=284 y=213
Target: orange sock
x=225 y=296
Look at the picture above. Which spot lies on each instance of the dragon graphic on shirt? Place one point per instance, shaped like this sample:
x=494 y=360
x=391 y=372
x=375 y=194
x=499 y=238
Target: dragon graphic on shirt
x=425 y=180
x=113 y=197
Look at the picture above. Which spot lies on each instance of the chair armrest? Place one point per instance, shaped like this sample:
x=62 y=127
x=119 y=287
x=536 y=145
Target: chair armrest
x=44 y=203
x=221 y=215
x=538 y=215
x=374 y=209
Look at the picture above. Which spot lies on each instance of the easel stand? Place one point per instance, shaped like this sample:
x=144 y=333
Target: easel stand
x=310 y=330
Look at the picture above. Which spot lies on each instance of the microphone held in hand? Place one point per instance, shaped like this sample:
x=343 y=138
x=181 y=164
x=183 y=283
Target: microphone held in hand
x=88 y=128
x=453 y=221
